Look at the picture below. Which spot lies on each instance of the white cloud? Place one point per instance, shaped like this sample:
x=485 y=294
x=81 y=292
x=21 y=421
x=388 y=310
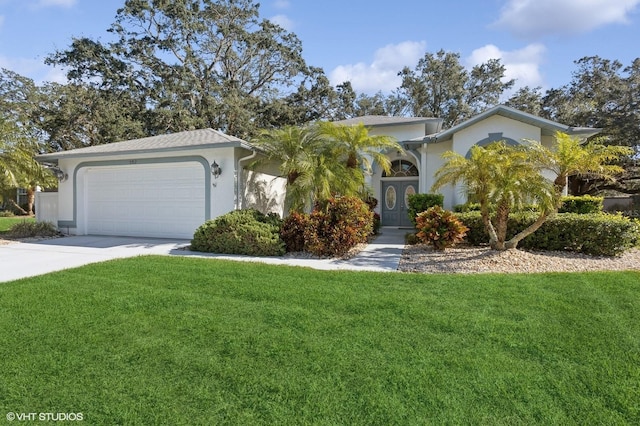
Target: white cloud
x=382 y=73
x=282 y=4
x=61 y=3
x=537 y=18
x=283 y=21
x=34 y=69
x=523 y=65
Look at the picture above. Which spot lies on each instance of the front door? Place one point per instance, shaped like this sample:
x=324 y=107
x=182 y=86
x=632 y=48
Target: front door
x=395 y=202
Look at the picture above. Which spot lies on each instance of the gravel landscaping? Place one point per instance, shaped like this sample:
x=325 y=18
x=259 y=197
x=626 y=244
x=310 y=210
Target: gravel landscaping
x=467 y=260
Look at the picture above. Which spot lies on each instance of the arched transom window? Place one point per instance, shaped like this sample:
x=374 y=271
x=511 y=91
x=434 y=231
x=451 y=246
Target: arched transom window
x=402 y=168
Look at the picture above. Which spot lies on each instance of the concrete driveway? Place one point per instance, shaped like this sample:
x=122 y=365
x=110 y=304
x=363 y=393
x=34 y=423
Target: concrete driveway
x=22 y=260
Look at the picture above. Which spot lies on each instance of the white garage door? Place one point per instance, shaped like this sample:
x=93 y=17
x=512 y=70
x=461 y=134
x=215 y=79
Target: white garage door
x=151 y=200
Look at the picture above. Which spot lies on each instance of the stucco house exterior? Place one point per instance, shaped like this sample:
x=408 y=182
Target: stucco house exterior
x=424 y=143
x=168 y=185
x=160 y=186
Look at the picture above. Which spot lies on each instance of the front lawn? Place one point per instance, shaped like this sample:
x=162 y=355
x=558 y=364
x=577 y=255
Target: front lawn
x=7 y=222
x=160 y=340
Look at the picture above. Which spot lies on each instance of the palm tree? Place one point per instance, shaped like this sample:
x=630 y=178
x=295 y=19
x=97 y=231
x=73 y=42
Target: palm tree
x=499 y=177
x=571 y=157
x=504 y=177
x=18 y=168
x=295 y=149
x=358 y=149
x=324 y=159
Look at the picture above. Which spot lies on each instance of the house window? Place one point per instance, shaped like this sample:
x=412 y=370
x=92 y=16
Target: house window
x=401 y=168
x=390 y=198
x=21 y=196
x=410 y=190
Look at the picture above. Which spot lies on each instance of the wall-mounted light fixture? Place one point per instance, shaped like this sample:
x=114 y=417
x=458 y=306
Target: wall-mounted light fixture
x=58 y=173
x=216 y=170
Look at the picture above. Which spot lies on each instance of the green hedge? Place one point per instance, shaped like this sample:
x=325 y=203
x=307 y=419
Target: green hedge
x=246 y=232
x=594 y=234
x=584 y=204
x=419 y=203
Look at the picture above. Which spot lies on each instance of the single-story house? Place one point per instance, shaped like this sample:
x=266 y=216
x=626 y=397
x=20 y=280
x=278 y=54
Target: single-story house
x=160 y=186
x=168 y=185
x=424 y=142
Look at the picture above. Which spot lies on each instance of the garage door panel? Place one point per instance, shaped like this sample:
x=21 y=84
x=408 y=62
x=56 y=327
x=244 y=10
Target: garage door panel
x=159 y=200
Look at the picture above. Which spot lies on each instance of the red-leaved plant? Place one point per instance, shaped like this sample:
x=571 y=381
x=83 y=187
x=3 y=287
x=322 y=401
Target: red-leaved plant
x=439 y=227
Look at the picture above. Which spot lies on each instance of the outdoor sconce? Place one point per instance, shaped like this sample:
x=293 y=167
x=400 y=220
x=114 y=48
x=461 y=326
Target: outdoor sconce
x=62 y=176
x=216 y=171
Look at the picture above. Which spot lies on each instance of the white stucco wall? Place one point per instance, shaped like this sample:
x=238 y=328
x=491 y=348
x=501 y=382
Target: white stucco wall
x=223 y=189
x=401 y=133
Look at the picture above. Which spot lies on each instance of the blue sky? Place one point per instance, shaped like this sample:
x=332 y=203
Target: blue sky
x=369 y=41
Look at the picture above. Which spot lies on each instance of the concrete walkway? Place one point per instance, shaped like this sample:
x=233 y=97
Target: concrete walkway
x=28 y=259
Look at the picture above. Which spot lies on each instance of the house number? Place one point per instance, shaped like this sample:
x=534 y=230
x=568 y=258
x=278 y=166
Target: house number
x=133 y=161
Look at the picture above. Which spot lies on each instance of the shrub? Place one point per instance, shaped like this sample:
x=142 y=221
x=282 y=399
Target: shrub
x=28 y=229
x=593 y=234
x=241 y=232
x=337 y=225
x=466 y=207
x=422 y=202
x=584 y=204
x=293 y=231
x=6 y=213
x=439 y=227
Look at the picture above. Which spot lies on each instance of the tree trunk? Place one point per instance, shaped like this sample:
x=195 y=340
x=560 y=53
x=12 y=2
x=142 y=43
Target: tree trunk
x=502 y=221
x=31 y=198
x=513 y=242
x=488 y=226
x=20 y=209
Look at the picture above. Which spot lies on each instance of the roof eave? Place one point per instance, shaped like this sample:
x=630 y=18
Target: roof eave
x=56 y=156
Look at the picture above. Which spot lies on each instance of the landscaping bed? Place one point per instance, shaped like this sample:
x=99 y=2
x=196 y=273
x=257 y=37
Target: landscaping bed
x=472 y=259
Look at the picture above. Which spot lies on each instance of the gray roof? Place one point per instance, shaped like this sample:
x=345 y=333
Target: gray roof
x=548 y=127
x=383 y=120
x=192 y=139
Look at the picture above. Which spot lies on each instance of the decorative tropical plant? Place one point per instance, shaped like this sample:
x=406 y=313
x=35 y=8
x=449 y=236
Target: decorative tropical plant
x=503 y=178
x=439 y=227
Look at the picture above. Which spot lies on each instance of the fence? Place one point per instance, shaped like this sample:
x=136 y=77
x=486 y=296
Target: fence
x=47 y=207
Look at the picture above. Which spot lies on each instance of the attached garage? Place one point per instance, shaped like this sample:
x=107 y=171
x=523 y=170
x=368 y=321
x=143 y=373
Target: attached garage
x=164 y=186
x=152 y=200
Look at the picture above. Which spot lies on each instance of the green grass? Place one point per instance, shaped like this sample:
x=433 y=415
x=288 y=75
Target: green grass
x=7 y=222
x=158 y=340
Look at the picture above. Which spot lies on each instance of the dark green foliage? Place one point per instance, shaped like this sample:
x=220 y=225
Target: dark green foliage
x=28 y=229
x=439 y=227
x=466 y=207
x=372 y=202
x=584 y=204
x=246 y=232
x=292 y=231
x=593 y=234
x=421 y=202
